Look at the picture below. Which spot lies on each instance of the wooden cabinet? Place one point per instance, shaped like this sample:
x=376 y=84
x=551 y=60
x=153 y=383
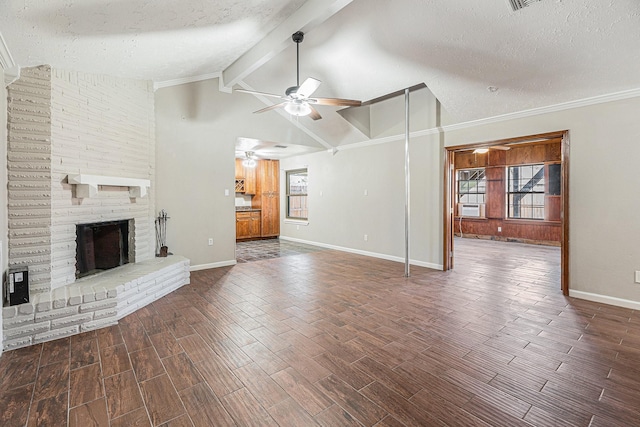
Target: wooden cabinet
x=250 y=183
x=240 y=185
x=270 y=215
x=269 y=176
x=268 y=196
x=245 y=179
x=263 y=182
x=239 y=169
x=248 y=224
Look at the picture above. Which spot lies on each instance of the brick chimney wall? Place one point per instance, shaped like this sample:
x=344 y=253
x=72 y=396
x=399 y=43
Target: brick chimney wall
x=61 y=123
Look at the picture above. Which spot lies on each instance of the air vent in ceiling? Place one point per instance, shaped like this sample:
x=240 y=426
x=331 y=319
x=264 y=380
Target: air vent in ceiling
x=519 y=4
x=280 y=146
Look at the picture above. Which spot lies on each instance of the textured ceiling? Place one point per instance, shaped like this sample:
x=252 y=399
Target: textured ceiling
x=143 y=39
x=548 y=53
x=551 y=52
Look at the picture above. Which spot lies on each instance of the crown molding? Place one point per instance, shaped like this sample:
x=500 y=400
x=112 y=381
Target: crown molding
x=585 y=102
x=184 y=80
x=595 y=100
x=6 y=60
x=391 y=138
x=8 y=65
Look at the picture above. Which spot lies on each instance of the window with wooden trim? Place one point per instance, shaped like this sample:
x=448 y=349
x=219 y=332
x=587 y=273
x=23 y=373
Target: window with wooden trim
x=297 y=194
x=472 y=185
x=525 y=192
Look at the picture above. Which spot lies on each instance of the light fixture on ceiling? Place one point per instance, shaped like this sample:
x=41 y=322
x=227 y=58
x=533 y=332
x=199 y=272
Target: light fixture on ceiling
x=297 y=100
x=249 y=162
x=297 y=107
x=480 y=151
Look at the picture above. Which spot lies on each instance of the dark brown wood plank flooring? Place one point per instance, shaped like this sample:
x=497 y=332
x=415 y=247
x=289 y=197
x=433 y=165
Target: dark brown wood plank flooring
x=333 y=339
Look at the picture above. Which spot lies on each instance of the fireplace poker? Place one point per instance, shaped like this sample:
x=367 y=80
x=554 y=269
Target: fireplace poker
x=161 y=232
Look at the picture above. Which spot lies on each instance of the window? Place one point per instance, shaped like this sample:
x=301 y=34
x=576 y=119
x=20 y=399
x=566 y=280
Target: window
x=472 y=185
x=525 y=192
x=297 y=194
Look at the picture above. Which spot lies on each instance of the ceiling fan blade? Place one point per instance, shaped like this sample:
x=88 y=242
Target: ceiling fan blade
x=335 y=102
x=253 y=92
x=271 y=107
x=314 y=114
x=308 y=87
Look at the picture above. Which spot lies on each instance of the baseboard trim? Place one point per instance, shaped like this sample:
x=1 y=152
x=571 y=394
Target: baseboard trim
x=213 y=265
x=605 y=299
x=365 y=253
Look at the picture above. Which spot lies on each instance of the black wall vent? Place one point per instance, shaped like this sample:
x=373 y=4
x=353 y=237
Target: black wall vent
x=519 y=4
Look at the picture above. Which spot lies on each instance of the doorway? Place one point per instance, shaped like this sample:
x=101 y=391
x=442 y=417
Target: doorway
x=450 y=202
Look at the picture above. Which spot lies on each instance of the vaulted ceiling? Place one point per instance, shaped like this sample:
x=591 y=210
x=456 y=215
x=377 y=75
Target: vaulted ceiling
x=479 y=58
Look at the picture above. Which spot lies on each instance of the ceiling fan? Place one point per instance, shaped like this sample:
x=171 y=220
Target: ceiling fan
x=297 y=100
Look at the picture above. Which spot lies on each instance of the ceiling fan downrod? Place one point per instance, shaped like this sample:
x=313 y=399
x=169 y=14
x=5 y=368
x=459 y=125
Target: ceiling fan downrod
x=297 y=37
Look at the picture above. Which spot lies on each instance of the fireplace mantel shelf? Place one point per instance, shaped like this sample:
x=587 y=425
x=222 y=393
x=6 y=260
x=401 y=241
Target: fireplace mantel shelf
x=87 y=185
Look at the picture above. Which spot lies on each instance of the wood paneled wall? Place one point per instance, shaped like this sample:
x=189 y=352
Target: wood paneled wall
x=495 y=162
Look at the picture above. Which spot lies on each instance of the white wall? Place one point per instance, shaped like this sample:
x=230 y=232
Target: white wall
x=340 y=214
x=196 y=130
x=388 y=117
x=604 y=203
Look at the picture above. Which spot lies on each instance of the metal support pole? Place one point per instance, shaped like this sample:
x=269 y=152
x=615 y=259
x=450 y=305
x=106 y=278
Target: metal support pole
x=406 y=184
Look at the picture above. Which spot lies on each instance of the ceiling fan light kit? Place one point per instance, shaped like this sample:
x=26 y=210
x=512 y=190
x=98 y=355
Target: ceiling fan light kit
x=297 y=108
x=297 y=101
x=484 y=150
x=249 y=162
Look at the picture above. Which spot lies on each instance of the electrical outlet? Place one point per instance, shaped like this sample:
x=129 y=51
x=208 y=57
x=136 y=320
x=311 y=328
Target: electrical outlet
x=637 y=276
x=297 y=227
x=210 y=241
x=366 y=237
x=226 y=192
x=499 y=229
x=366 y=192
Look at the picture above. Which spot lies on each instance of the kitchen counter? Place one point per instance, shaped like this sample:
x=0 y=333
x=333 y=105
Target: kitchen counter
x=246 y=209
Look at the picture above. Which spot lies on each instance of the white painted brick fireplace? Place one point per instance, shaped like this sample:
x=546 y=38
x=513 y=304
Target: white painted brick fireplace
x=64 y=123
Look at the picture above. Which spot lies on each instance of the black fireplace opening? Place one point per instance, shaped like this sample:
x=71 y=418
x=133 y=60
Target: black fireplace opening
x=101 y=246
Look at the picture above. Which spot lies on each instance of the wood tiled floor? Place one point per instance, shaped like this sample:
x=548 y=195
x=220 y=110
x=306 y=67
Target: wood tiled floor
x=258 y=250
x=332 y=339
